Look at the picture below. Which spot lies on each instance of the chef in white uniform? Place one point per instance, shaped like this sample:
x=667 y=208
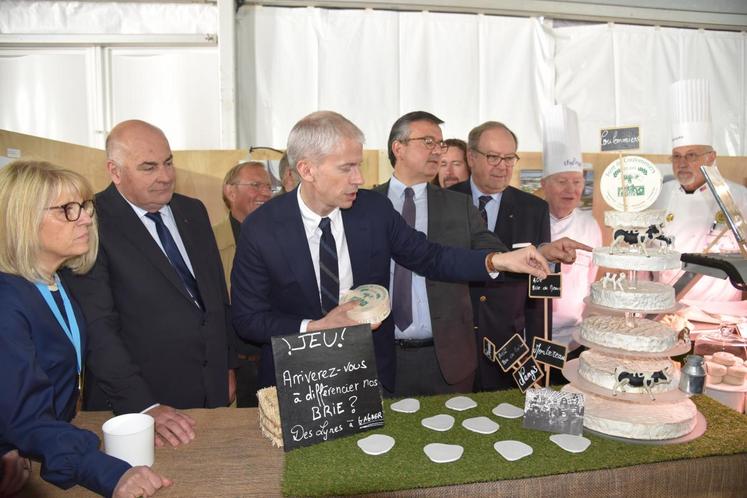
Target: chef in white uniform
x=691 y=207
x=563 y=183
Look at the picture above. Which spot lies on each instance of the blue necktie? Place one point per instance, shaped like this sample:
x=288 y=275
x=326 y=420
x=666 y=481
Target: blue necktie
x=484 y=199
x=175 y=258
x=402 y=292
x=329 y=281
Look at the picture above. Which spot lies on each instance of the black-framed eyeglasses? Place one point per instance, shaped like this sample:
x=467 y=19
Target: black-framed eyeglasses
x=496 y=159
x=73 y=209
x=256 y=185
x=690 y=157
x=429 y=142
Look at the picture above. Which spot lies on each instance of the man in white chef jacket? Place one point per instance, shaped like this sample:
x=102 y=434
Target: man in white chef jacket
x=563 y=183
x=691 y=207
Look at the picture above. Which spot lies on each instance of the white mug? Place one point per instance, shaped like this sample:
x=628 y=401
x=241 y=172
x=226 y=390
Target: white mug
x=131 y=438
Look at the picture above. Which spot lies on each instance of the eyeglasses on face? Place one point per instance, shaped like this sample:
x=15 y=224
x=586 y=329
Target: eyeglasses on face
x=496 y=159
x=690 y=157
x=429 y=142
x=73 y=209
x=256 y=185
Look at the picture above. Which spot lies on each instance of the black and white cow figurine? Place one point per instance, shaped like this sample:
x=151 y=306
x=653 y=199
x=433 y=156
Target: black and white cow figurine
x=635 y=237
x=654 y=233
x=638 y=379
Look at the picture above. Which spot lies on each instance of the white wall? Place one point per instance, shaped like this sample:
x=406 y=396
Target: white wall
x=109 y=62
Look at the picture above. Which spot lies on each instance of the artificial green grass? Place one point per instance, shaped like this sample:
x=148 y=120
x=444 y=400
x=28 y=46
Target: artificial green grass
x=339 y=467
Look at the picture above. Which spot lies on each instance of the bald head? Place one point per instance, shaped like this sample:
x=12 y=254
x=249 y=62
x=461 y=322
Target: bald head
x=140 y=164
x=122 y=135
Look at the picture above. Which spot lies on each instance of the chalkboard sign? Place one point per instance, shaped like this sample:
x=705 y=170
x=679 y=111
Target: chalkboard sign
x=327 y=385
x=528 y=373
x=613 y=139
x=549 y=353
x=511 y=352
x=488 y=349
x=550 y=287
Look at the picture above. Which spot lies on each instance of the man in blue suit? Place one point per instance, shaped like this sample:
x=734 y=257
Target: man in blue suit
x=308 y=247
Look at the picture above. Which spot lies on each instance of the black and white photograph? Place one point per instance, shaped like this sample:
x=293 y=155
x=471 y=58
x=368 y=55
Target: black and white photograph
x=552 y=411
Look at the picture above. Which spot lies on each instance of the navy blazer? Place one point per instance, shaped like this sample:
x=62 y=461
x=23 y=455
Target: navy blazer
x=503 y=308
x=38 y=368
x=273 y=285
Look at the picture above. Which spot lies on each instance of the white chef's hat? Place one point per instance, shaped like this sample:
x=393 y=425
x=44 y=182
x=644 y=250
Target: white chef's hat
x=561 y=147
x=691 y=113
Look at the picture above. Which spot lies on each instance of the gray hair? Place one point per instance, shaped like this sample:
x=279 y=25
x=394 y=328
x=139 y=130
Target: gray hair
x=318 y=134
x=284 y=166
x=476 y=133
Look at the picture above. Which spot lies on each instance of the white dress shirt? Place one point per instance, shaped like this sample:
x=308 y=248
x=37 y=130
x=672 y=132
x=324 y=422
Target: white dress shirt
x=491 y=208
x=314 y=236
x=168 y=219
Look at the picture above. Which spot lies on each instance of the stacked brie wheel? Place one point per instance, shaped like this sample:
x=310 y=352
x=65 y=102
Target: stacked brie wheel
x=629 y=382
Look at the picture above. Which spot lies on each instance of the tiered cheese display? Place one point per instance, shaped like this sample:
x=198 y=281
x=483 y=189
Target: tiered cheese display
x=629 y=382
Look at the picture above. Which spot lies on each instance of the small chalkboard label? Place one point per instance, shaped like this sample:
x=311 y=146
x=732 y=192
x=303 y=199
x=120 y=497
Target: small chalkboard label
x=511 y=352
x=327 y=385
x=528 y=374
x=488 y=349
x=550 y=287
x=549 y=353
x=613 y=139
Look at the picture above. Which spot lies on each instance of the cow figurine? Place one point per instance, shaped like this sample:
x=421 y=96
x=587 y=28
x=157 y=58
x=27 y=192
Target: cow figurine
x=630 y=237
x=654 y=233
x=638 y=379
x=638 y=239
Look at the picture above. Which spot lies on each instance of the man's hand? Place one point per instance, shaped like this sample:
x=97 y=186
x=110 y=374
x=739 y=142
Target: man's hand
x=336 y=318
x=231 y=385
x=172 y=426
x=563 y=250
x=140 y=481
x=524 y=260
x=14 y=473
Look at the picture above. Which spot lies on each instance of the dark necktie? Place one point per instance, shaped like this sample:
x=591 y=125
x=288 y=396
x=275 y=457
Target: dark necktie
x=484 y=199
x=402 y=292
x=329 y=280
x=175 y=258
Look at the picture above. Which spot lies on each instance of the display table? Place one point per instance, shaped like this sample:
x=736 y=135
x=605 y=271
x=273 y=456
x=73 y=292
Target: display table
x=230 y=457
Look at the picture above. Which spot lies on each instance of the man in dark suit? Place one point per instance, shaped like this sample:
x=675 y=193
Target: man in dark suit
x=436 y=348
x=519 y=219
x=156 y=301
x=327 y=236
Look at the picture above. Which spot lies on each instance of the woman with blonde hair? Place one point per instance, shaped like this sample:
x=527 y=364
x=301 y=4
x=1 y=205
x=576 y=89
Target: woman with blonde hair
x=47 y=224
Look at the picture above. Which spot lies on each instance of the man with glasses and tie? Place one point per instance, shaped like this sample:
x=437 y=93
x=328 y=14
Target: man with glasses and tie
x=433 y=329
x=690 y=205
x=155 y=302
x=301 y=251
x=246 y=186
x=502 y=308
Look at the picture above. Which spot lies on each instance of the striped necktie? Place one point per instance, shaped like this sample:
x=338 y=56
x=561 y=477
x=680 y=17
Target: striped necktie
x=329 y=281
x=484 y=199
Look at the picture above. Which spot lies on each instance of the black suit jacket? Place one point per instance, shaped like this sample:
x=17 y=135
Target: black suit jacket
x=148 y=343
x=503 y=308
x=273 y=285
x=454 y=221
